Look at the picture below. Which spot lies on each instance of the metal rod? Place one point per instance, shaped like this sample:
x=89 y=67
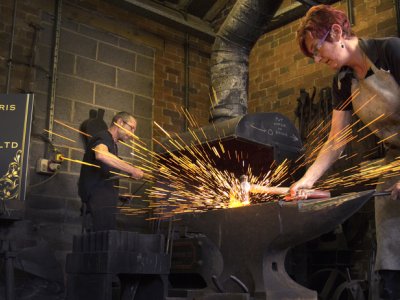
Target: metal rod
x=240 y=283
x=9 y=257
x=350 y=12
x=30 y=74
x=53 y=82
x=397 y=7
x=217 y=284
x=11 y=50
x=186 y=96
x=381 y=194
x=169 y=235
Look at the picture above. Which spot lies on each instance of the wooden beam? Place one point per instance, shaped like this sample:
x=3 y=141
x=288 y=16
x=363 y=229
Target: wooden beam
x=170 y=17
x=218 y=6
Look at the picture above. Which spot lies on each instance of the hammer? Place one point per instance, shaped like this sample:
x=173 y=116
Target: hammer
x=246 y=188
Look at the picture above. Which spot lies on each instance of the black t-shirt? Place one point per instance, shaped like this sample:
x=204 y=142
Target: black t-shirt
x=92 y=177
x=384 y=53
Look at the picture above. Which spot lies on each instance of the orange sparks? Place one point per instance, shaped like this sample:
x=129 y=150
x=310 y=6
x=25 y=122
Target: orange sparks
x=72 y=128
x=78 y=161
x=59 y=135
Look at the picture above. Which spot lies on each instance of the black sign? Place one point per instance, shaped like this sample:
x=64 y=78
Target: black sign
x=15 y=130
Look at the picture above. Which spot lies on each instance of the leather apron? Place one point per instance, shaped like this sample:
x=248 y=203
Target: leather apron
x=380 y=94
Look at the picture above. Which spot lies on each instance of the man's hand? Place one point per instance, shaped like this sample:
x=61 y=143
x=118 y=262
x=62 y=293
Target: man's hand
x=136 y=173
x=395 y=189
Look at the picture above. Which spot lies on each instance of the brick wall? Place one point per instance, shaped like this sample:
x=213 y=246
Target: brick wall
x=170 y=72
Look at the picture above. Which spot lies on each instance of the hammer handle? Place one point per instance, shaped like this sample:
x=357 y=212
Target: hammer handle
x=311 y=193
x=272 y=190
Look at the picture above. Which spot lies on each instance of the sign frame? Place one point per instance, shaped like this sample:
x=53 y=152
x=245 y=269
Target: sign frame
x=16 y=112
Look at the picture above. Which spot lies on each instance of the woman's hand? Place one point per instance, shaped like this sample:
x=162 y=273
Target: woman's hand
x=297 y=189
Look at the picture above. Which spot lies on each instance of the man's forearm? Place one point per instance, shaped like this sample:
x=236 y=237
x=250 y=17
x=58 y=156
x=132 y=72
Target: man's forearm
x=113 y=161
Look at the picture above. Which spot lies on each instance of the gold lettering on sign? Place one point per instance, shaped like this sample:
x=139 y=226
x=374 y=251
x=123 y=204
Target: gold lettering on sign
x=10 y=181
x=8 y=107
x=9 y=145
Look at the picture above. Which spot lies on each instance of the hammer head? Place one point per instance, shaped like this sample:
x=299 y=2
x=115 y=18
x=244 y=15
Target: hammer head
x=244 y=188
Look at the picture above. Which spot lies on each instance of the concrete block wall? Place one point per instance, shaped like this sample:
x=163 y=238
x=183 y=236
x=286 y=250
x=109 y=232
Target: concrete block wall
x=109 y=58
x=97 y=70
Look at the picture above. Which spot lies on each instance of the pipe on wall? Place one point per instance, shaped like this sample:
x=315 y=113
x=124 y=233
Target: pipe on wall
x=245 y=23
x=54 y=68
x=397 y=7
x=350 y=12
x=11 y=49
x=187 y=73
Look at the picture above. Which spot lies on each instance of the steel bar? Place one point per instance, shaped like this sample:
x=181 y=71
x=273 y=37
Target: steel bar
x=397 y=7
x=54 y=68
x=187 y=74
x=11 y=50
x=350 y=12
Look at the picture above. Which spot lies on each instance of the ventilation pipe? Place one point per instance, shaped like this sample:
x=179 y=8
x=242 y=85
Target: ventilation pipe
x=230 y=55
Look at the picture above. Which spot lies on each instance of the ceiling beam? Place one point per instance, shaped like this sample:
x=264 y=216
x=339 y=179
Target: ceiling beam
x=218 y=6
x=168 y=16
x=181 y=6
x=184 y=4
x=286 y=15
x=291 y=13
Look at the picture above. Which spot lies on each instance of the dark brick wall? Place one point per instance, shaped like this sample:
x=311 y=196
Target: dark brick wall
x=170 y=74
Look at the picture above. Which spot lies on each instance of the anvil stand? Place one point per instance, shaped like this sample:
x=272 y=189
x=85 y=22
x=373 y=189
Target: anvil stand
x=256 y=238
x=8 y=254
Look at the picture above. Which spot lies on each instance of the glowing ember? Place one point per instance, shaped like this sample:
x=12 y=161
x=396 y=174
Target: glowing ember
x=234 y=201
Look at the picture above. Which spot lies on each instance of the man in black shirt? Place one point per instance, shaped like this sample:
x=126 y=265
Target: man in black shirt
x=96 y=186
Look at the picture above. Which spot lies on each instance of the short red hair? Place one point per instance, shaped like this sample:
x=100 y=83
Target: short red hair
x=318 y=21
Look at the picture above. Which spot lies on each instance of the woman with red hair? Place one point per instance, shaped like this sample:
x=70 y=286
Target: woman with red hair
x=367 y=82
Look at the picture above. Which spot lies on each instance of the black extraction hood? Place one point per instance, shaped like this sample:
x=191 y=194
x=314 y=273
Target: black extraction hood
x=257 y=139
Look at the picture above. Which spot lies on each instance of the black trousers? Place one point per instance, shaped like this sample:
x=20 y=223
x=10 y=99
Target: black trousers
x=102 y=206
x=389 y=285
